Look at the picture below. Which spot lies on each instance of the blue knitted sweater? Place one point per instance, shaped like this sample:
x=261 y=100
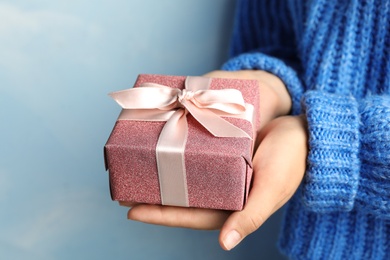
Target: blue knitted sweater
x=334 y=58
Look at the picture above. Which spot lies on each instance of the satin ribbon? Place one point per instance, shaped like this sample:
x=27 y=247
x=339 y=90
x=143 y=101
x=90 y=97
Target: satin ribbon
x=155 y=102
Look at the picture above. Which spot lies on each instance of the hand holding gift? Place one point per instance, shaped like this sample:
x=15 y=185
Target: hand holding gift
x=184 y=141
x=278 y=165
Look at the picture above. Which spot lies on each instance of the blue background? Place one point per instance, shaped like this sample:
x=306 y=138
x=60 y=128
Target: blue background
x=58 y=61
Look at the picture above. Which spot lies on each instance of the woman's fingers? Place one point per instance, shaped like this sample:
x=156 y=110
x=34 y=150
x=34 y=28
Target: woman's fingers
x=194 y=218
x=279 y=166
x=127 y=204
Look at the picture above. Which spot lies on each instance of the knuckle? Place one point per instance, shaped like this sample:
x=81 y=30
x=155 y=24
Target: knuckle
x=252 y=222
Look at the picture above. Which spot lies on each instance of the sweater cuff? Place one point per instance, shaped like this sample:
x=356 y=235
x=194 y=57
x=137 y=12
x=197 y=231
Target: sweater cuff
x=260 y=61
x=331 y=180
x=374 y=185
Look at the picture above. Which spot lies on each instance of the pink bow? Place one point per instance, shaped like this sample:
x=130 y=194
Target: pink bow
x=154 y=102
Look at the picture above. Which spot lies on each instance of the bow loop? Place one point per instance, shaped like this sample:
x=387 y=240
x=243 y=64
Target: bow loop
x=226 y=100
x=195 y=98
x=147 y=96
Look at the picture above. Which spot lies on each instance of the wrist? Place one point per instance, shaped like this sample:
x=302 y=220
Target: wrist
x=274 y=84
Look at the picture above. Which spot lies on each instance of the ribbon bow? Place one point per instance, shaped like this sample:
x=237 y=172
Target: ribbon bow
x=155 y=102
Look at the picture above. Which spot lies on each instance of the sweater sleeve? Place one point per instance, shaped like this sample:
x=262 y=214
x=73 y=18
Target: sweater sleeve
x=264 y=39
x=348 y=165
x=349 y=159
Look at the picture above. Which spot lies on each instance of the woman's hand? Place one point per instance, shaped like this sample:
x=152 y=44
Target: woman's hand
x=274 y=97
x=279 y=165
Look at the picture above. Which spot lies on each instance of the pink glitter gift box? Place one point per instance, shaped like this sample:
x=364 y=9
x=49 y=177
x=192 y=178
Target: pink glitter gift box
x=217 y=170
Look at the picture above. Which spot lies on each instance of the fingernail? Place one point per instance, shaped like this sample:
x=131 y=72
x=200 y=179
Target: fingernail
x=123 y=204
x=231 y=239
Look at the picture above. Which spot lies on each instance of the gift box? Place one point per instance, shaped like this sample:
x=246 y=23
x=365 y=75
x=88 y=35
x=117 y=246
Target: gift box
x=184 y=141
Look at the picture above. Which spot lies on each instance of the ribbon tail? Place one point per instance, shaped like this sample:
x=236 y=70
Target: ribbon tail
x=216 y=125
x=170 y=160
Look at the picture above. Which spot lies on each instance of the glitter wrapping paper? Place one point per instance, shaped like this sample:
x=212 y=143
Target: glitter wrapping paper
x=218 y=170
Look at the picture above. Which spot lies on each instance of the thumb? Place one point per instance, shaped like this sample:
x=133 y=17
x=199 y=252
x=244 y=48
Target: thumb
x=260 y=205
x=242 y=223
x=278 y=168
